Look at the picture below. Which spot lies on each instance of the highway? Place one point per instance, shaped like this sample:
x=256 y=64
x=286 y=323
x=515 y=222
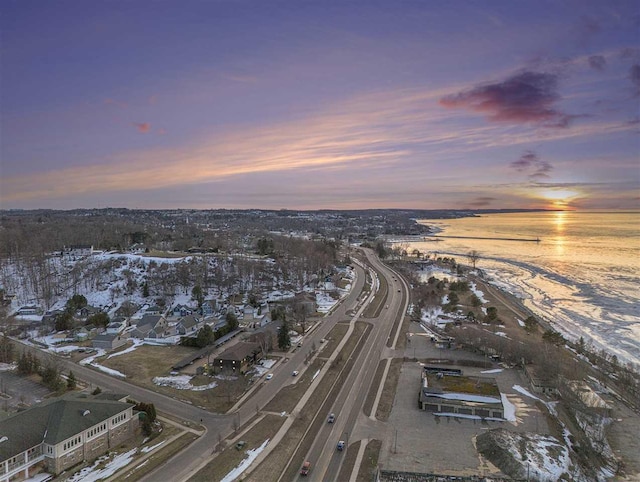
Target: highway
x=325 y=458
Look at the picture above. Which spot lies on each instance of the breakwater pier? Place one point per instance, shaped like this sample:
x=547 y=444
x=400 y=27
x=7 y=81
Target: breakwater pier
x=526 y=240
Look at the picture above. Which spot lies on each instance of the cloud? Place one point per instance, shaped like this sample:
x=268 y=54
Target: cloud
x=143 y=127
x=117 y=103
x=482 y=201
x=530 y=163
x=597 y=62
x=634 y=75
x=527 y=97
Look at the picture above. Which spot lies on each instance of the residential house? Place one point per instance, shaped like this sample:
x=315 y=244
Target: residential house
x=109 y=342
x=249 y=312
x=78 y=251
x=87 y=311
x=151 y=326
x=29 y=310
x=126 y=309
x=188 y=325
x=208 y=308
x=181 y=310
x=61 y=433
x=238 y=358
x=307 y=300
x=116 y=326
x=85 y=333
x=154 y=310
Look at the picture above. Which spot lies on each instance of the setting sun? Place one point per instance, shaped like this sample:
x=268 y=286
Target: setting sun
x=560 y=199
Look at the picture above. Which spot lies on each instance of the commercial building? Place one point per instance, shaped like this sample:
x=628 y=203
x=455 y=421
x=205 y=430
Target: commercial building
x=60 y=433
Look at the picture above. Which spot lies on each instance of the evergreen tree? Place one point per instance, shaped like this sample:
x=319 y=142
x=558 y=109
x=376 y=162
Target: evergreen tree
x=71 y=381
x=145 y=290
x=284 y=340
x=205 y=336
x=99 y=320
x=232 y=320
x=197 y=295
x=6 y=350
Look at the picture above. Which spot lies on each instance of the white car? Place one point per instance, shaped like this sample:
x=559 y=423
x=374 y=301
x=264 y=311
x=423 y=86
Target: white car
x=295 y=373
x=269 y=376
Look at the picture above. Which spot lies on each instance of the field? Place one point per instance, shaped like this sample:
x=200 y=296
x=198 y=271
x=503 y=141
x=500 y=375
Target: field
x=146 y=362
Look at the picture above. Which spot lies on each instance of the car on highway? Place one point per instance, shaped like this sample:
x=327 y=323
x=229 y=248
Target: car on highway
x=340 y=446
x=332 y=418
x=269 y=376
x=294 y=373
x=306 y=467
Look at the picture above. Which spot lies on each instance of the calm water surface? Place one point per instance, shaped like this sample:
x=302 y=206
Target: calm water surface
x=583 y=276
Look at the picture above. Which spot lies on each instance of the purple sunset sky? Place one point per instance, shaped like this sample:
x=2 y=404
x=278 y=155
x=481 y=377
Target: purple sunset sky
x=320 y=104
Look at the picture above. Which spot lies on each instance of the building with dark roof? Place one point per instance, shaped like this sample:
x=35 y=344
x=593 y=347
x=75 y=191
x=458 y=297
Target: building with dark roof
x=453 y=394
x=61 y=433
x=238 y=358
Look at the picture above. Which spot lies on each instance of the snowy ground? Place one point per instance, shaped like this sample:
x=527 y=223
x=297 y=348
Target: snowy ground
x=477 y=292
x=43 y=477
x=92 y=473
x=5 y=367
x=91 y=361
x=251 y=456
x=509 y=408
x=182 y=382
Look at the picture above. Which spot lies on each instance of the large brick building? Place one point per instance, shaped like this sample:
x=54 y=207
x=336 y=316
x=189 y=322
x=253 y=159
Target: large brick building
x=61 y=433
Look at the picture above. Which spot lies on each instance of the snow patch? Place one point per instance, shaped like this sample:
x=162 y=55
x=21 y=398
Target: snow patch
x=525 y=392
x=93 y=474
x=509 y=408
x=251 y=456
x=182 y=382
x=144 y=450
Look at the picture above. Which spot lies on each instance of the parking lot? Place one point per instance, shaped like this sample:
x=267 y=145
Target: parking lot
x=420 y=441
x=21 y=391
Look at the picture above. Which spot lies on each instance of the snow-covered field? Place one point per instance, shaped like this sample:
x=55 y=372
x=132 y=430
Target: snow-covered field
x=182 y=382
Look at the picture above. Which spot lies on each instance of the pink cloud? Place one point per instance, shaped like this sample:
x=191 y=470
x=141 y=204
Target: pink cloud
x=143 y=127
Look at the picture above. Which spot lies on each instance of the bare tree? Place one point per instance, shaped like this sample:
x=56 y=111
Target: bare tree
x=473 y=257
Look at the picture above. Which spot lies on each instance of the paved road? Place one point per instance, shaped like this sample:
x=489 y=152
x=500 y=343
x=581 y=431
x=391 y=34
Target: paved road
x=349 y=403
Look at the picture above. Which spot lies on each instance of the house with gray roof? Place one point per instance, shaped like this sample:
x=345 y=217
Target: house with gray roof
x=188 y=325
x=109 y=341
x=151 y=326
x=60 y=433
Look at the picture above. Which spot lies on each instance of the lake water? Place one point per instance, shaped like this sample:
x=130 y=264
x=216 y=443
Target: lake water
x=583 y=276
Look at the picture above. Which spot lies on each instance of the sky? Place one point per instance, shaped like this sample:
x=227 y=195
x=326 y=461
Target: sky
x=320 y=104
